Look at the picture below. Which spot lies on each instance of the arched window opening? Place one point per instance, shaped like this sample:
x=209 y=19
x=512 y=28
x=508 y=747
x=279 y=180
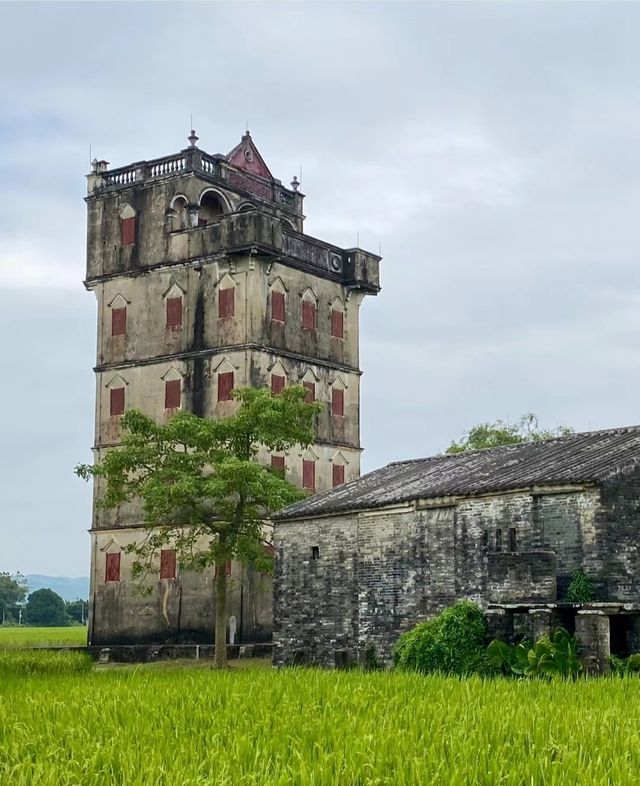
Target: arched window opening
x=179 y=219
x=211 y=210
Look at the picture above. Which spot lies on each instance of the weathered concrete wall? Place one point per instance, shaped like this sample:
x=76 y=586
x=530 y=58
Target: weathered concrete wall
x=378 y=573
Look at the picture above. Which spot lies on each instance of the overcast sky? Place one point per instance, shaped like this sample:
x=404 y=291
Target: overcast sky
x=492 y=149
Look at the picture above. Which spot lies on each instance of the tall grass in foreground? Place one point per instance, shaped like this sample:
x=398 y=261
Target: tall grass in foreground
x=314 y=728
x=25 y=636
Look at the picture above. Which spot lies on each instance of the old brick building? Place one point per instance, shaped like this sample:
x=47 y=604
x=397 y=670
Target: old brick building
x=505 y=527
x=205 y=281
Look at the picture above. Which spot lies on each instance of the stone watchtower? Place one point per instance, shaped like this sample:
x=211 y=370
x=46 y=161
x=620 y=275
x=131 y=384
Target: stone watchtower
x=205 y=281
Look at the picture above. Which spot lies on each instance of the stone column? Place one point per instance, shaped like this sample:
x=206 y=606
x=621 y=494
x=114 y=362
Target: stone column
x=542 y=622
x=592 y=633
x=499 y=624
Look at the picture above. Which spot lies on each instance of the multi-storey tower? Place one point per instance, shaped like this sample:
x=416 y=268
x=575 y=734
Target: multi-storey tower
x=205 y=281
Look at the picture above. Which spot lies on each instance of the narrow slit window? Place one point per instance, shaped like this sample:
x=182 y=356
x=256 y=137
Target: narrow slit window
x=498 y=540
x=315 y=552
x=513 y=545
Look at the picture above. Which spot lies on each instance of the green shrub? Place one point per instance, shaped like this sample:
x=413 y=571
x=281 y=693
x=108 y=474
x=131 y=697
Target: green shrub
x=550 y=656
x=623 y=667
x=451 y=643
x=580 y=590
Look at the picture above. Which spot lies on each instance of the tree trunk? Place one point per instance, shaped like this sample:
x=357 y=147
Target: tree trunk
x=220 y=658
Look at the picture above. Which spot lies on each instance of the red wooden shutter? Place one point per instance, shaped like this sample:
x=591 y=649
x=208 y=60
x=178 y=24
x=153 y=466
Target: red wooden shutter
x=118 y=321
x=225 y=386
x=337 y=401
x=227 y=568
x=172 y=394
x=277 y=384
x=127 y=231
x=308 y=315
x=226 y=303
x=112 y=572
x=310 y=395
x=309 y=474
x=277 y=307
x=277 y=463
x=116 y=401
x=337 y=324
x=338 y=474
x=174 y=311
x=168 y=564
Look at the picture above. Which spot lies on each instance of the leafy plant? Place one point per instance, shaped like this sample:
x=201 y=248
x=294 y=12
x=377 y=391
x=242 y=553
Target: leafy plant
x=451 y=643
x=491 y=435
x=623 y=667
x=550 y=656
x=580 y=590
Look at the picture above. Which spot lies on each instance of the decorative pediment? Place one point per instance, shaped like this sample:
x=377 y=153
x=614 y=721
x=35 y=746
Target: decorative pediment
x=310 y=376
x=224 y=365
x=278 y=367
x=226 y=282
x=310 y=455
x=277 y=285
x=339 y=458
x=126 y=211
x=111 y=546
x=245 y=156
x=338 y=382
x=309 y=295
x=337 y=304
x=174 y=291
x=116 y=381
x=172 y=375
x=119 y=301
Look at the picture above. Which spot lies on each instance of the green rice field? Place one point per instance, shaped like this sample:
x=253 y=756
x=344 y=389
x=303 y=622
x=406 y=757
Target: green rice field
x=24 y=636
x=63 y=722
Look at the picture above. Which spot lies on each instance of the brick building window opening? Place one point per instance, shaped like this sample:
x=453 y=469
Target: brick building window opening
x=513 y=546
x=308 y=315
x=485 y=538
x=337 y=324
x=172 y=394
x=112 y=567
x=226 y=306
x=116 y=402
x=128 y=231
x=174 y=312
x=337 y=402
x=225 y=386
x=315 y=552
x=277 y=463
x=310 y=394
x=498 y=540
x=277 y=384
x=168 y=564
x=309 y=475
x=338 y=474
x=119 y=321
x=277 y=307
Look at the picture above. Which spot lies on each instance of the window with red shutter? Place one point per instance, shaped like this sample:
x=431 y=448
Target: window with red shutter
x=172 y=394
x=225 y=386
x=112 y=571
x=310 y=395
x=226 y=303
x=277 y=463
x=309 y=475
x=116 y=401
x=118 y=321
x=337 y=401
x=308 y=315
x=338 y=474
x=277 y=307
x=277 y=384
x=174 y=311
x=127 y=231
x=337 y=324
x=168 y=564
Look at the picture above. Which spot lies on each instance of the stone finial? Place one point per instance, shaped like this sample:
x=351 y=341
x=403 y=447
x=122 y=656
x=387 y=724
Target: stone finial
x=193 y=138
x=295 y=183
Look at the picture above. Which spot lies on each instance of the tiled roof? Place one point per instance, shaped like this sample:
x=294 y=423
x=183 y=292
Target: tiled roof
x=589 y=457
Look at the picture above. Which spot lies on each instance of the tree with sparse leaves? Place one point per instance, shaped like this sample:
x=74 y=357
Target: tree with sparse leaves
x=202 y=489
x=13 y=591
x=491 y=435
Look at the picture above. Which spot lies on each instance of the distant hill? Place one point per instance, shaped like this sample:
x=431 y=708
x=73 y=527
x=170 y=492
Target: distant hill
x=69 y=589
